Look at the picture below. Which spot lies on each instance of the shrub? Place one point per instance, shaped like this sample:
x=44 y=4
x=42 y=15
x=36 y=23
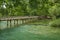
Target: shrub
x=55 y=23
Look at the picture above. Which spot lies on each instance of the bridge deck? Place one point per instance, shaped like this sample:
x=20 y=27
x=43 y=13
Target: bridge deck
x=18 y=18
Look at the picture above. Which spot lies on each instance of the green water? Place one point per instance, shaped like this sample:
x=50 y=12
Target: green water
x=30 y=32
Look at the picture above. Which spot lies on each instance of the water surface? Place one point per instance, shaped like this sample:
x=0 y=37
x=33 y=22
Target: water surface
x=30 y=32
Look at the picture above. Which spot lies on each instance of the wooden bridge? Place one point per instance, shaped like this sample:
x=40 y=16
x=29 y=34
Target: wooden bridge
x=24 y=19
x=17 y=18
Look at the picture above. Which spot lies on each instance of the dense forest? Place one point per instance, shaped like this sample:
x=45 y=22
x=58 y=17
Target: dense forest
x=30 y=8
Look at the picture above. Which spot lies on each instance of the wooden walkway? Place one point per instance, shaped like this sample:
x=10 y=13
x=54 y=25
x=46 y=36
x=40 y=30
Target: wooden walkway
x=23 y=20
x=17 y=18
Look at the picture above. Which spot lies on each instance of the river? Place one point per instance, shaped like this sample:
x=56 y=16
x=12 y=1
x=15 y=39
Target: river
x=29 y=32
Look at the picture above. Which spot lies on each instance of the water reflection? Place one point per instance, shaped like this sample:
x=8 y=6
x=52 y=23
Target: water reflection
x=8 y=24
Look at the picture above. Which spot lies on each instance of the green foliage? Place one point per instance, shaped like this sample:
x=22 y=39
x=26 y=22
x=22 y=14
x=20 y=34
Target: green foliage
x=55 y=23
x=54 y=10
x=30 y=7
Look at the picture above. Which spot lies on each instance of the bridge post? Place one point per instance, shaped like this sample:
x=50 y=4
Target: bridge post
x=21 y=21
x=29 y=20
x=14 y=22
x=0 y=25
x=10 y=23
x=25 y=20
x=17 y=21
x=7 y=23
